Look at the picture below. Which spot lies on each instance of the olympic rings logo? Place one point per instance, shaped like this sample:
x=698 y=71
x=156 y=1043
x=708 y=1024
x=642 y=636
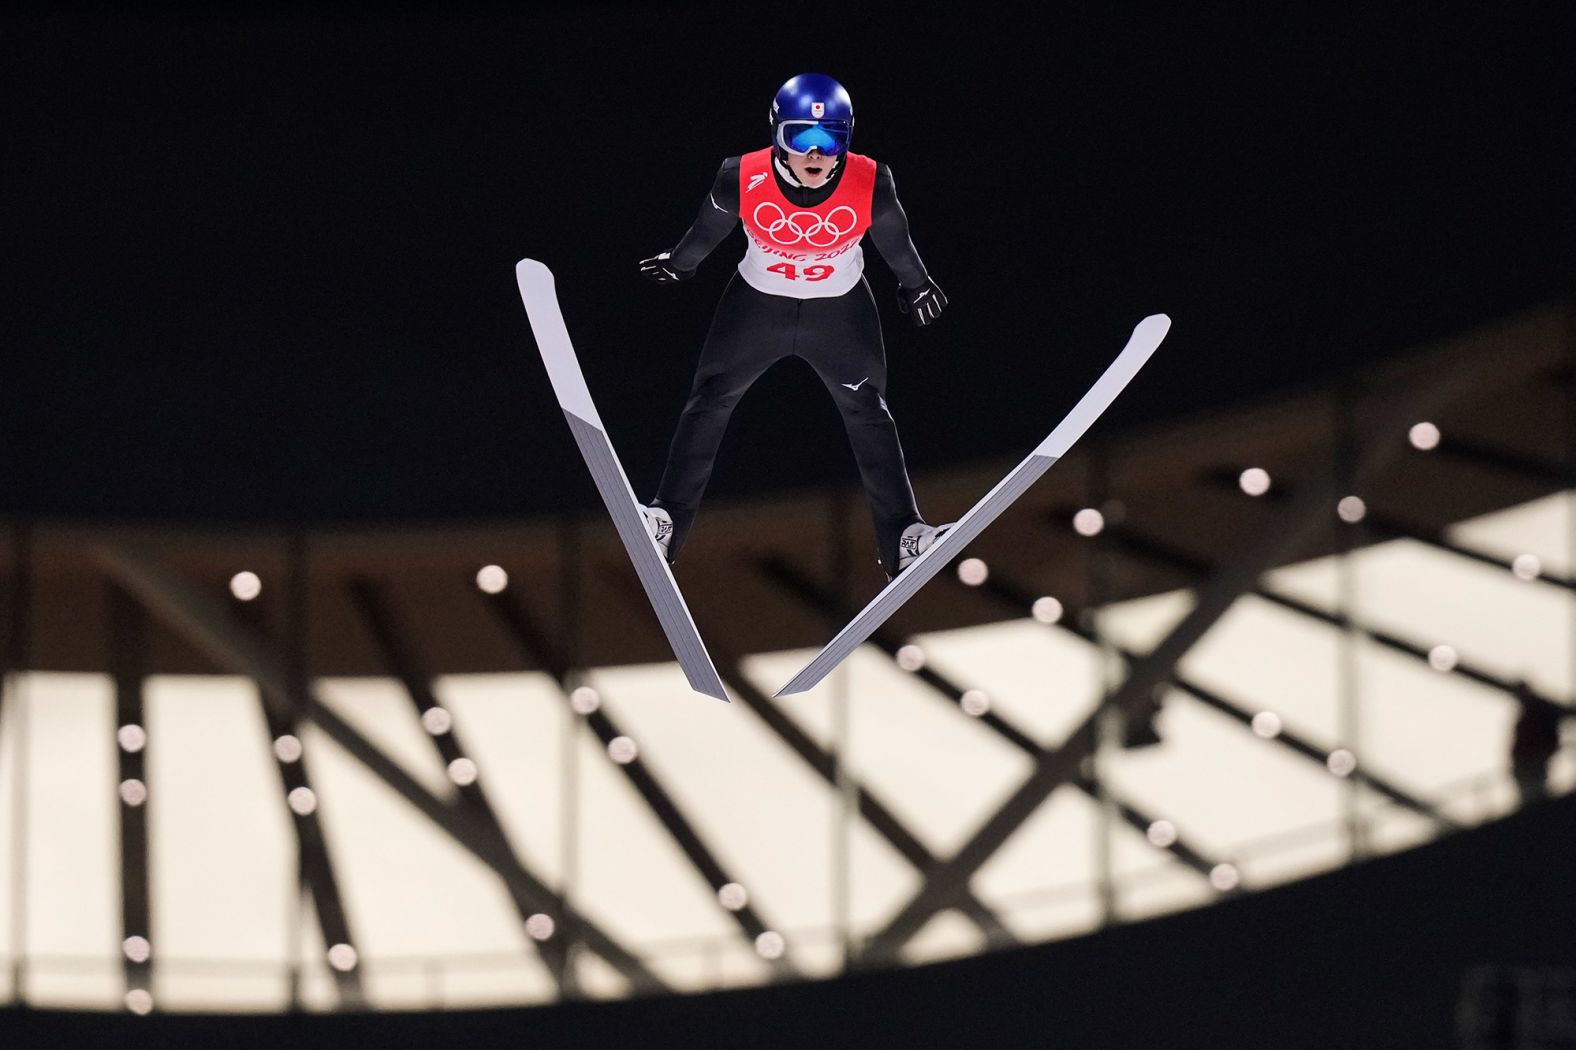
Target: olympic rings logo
x=805 y=226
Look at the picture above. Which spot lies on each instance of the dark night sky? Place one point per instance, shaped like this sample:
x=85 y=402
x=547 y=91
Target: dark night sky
x=259 y=264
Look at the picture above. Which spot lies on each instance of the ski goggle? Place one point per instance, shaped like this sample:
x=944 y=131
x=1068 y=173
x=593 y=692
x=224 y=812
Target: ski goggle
x=801 y=136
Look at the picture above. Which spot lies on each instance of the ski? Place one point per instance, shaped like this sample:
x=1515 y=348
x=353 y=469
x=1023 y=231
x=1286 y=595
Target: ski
x=569 y=384
x=1145 y=339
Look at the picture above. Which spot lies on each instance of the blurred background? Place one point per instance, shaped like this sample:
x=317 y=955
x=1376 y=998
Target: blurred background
x=332 y=708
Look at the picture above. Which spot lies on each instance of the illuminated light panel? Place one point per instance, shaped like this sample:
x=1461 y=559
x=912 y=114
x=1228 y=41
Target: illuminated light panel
x=437 y=720
x=1046 y=610
x=342 y=957
x=1423 y=436
x=973 y=572
x=133 y=792
x=302 y=801
x=492 y=579
x=585 y=700
x=1255 y=481
x=131 y=738
x=287 y=748
x=1088 y=522
x=1267 y=724
x=246 y=586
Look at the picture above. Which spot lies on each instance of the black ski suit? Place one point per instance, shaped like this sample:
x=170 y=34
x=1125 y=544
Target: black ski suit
x=840 y=337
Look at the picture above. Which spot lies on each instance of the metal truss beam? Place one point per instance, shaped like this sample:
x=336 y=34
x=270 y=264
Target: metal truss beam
x=1385 y=526
x=1140 y=822
x=398 y=653
x=314 y=862
x=15 y=659
x=1393 y=528
x=823 y=601
x=1010 y=595
x=208 y=624
x=18 y=609
x=1505 y=460
x=1312 y=752
x=875 y=812
x=128 y=660
x=1294 y=527
x=1191 y=568
x=943 y=687
x=522 y=628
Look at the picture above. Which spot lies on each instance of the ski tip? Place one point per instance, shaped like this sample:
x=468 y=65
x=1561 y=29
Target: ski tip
x=714 y=690
x=531 y=268
x=1160 y=321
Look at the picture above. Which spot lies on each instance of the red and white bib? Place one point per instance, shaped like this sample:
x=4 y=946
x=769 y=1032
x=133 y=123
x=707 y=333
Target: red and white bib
x=805 y=253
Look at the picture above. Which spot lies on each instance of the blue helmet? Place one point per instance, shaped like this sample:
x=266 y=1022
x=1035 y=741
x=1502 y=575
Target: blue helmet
x=811 y=111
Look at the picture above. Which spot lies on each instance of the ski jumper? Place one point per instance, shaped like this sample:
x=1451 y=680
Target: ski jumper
x=799 y=291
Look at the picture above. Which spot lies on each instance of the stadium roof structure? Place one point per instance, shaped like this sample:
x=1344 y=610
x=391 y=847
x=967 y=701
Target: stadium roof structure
x=760 y=574
x=453 y=765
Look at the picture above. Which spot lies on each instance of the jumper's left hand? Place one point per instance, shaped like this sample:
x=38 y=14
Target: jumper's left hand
x=924 y=304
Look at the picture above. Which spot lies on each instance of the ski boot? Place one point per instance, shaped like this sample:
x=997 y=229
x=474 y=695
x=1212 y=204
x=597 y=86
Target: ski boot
x=916 y=539
x=659 y=524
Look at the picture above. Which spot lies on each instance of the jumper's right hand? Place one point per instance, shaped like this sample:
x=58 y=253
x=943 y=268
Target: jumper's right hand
x=660 y=268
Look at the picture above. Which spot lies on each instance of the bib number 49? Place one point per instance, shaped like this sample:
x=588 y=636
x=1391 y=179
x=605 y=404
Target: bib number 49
x=811 y=273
